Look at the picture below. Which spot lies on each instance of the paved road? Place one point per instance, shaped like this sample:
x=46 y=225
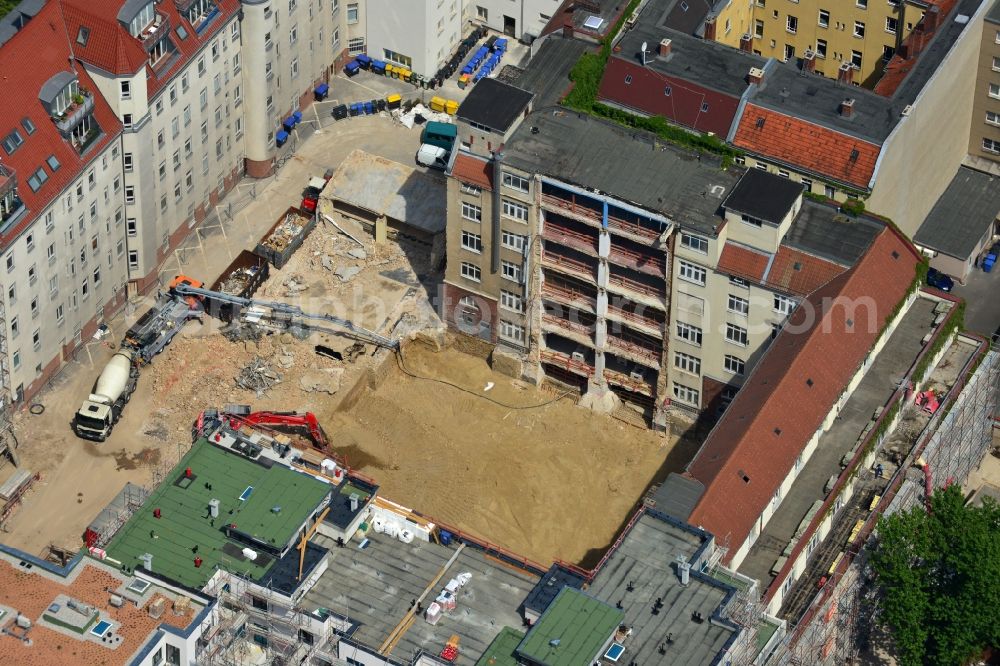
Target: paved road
x=982 y=296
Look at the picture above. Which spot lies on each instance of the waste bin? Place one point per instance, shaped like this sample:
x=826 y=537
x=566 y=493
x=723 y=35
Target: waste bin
x=437 y=104
x=340 y=112
x=363 y=60
x=378 y=67
x=451 y=107
x=321 y=91
x=393 y=101
x=352 y=68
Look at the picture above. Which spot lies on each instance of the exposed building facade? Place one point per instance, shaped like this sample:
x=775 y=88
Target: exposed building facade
x=984 y=140
x=520 y=19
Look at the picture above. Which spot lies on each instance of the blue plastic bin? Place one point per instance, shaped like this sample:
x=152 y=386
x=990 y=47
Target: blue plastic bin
x=352 y=68
x=363 y=60
x=378 y=66
x=280 y=138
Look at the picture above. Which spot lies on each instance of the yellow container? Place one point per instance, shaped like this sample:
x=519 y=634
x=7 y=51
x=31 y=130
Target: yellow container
x=393 y=100
x=404 y=74
x=451 y=107
x=390 y=70
x=437 y=104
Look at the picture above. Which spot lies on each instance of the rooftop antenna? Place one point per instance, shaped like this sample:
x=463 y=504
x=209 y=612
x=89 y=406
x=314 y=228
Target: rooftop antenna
x=644 y=45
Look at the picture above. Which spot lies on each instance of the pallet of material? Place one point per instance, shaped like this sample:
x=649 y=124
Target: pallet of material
x=241 y=278
x=9 y=489
x=285 y=237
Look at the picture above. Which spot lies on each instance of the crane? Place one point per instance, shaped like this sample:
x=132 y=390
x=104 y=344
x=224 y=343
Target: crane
x=184 y=289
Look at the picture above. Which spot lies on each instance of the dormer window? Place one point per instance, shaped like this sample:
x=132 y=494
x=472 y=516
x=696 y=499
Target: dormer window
x=66 y=97
x=200 y=12
x=138 y=24
x=71 y=107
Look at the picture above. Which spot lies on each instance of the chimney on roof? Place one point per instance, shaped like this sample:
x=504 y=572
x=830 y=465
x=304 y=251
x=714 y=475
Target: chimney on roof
x=931 y=18
x=663 y=50
x=756 y=75
x=709 y=28
x=809 y=61
x=746 y=43
x=568 y=30
x=847 y=108
x=845 y=74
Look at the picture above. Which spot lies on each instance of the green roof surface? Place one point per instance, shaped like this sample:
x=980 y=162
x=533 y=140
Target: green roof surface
x=581 y=624
x=501 y=651
x=184 y=520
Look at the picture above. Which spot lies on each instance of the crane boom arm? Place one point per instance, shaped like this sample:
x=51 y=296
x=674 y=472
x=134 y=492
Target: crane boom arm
x=291 y=310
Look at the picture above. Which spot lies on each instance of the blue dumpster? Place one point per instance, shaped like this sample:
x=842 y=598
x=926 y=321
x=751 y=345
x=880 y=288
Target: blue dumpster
x=445 y=536
x=369 y=108
x=378 y=67
x=321 y=91
x=356 y=109
x=289 y=123
x=280 y=138
x=352 y=68
x=363 y=60
x=297 y=116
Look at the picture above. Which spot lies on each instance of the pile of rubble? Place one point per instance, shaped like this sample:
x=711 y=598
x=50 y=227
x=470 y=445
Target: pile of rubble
x=286 y=232
x=257 y=376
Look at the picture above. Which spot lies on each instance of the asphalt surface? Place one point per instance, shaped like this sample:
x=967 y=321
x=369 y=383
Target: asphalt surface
x=982 y=297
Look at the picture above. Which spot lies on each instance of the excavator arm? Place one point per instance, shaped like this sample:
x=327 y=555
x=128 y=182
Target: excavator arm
x=296 y=421
x=184 y=289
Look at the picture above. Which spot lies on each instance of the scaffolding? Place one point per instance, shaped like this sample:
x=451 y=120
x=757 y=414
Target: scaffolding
x=118 y=512
x=836 y=627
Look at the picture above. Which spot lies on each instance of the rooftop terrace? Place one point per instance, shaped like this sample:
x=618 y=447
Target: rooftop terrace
x=263 y=505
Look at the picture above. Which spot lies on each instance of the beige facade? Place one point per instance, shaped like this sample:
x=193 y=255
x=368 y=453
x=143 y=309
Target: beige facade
x=984 y=139
x=862 y=32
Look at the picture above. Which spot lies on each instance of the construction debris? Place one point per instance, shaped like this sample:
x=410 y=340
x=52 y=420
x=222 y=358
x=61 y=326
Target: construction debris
x=286 y=232
x=345 y=273
x=257 y=376
x=326 y=380
x=358 y=253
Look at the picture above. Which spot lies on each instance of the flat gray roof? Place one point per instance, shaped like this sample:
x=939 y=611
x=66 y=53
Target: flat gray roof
x=547 y=75
x=389 y=188
x=962 y=215
x=374 y=587
x=707 y=63
x=822 y=230
x=993 y=16
x=678 y=495
x=815 y=98
x=645 y=559
x=685 y=186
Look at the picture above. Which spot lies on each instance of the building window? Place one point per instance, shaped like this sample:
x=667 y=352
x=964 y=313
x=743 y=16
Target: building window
x=758 y=29
x=863 y=4
x=791 y=24
x=482 y=13
x=736 y=335
x=131 y=227
x=133 y=259
x=807 y=184
x=824 y=18
x=398 y=58
x=687 y=395
x=471 y=212
x=694 y=243
x=734 y=364
x=991 y=145
x=667 y=91
x=687 y=363
x=514 y=241
x=515 y=182
x=689 y=333
x=740 y=306
x=856 y=59
x=752 y=221
x=258 y=603
x=515 y=211
x=129 y=195
x=126 y=89
x=783 y=304
x=628 y=79
x=996 y=63
x=820 y=48
x=891 y=25
x=352 y=13
x=691 y=273
x=471 y=272
x=789 y=52
x=859 y=29
x=472 y=242
x=511 y=331
x=474 y=190
x=993 y=118
x=995 y=90
x=511 y=271
x=511 y=301
x=355 y=45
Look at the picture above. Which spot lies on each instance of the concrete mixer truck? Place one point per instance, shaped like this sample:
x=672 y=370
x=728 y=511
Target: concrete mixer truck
x=114 y=387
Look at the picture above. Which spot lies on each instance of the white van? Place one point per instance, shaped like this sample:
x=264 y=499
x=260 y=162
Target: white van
x=432 y=156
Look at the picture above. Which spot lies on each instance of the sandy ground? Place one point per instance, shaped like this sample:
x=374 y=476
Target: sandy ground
x=553 y=482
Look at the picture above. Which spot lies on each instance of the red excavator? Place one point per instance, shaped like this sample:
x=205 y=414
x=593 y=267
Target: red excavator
x=304 y=425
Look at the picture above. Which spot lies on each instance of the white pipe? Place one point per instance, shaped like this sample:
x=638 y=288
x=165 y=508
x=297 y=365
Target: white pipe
x=330 y=220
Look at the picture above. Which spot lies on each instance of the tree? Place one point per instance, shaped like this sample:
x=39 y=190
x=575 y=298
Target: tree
x=939 y=574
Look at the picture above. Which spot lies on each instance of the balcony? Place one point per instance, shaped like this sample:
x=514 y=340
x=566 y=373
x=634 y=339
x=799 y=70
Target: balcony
x=582 y=212
x=11 y=206
x=566 y=362
x=562 y=232
x=639 y=351
x=569 y=266
x=637 y=261
x=628 y=382
x=645 y=324
x=627 y=286
x=82 y=106
x=568 y=296
x=155 y=31
x=577 y=331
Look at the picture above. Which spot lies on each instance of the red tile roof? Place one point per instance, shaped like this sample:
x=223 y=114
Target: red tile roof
x=111 y=47
x=753 y=448
x=744 y=262
x=26 y=69
x=806 y=145
x=795 y=272
x=473 y=170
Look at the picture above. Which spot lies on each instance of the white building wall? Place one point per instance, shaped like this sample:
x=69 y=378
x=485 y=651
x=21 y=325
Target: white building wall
x=420 y=34
x=517 y=18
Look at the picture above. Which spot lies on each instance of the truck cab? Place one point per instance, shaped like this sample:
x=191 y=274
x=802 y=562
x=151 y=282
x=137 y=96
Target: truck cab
x=102 y=408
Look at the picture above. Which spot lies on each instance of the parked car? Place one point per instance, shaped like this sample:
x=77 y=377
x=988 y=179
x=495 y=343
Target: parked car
x=939 y=280
x=433 y=156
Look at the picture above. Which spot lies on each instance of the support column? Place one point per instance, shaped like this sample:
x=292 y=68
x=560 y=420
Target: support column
x=259 y=151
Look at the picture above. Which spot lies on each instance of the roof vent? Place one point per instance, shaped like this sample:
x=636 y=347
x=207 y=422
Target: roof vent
x=777 y=431
x=809 y=382
x=845 y=74
x=847 y=108
x=809 y=61
x=663 y=50
x=906 y=110
x=797 y=266
x=756 y=75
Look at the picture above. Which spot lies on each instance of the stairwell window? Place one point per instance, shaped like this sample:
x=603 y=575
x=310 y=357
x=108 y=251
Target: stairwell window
x=511 y=271
x=734 y=364
x=736 y=335
x=515 y=211
x=687 y=395
x=691 y=273
x=689 y=333
x=471 y=212
x=694 y=243
x=515 y=182
x=740 y=306
x=687 y=363
x=472 y=242
x=511 y=331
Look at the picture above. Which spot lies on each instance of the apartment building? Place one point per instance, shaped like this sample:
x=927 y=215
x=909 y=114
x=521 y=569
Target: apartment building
x=859 y=33
x=984 y=140
x=62 y=205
